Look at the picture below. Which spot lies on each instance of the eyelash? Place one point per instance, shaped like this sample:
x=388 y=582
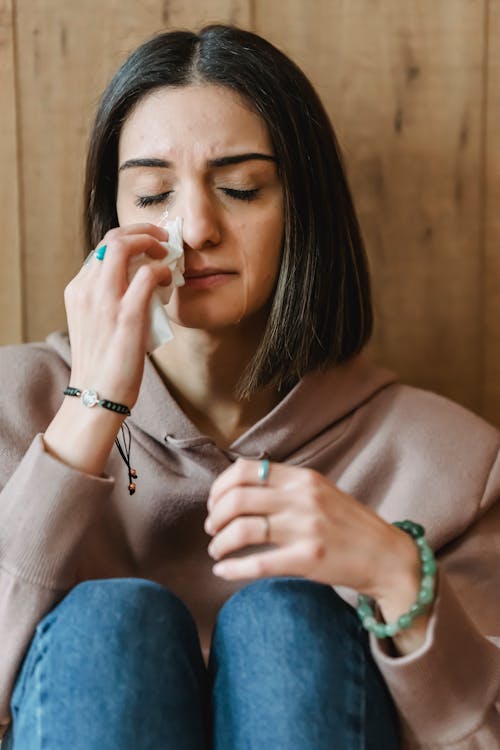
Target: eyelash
x=242 y=195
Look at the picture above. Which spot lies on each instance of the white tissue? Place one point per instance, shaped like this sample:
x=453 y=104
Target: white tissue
x=174 y=259
x=160 y=331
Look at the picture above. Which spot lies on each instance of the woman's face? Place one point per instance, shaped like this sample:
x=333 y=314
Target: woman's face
x=201 y=154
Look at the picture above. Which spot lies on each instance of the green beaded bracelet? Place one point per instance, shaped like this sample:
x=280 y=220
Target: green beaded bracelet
x=425 y=596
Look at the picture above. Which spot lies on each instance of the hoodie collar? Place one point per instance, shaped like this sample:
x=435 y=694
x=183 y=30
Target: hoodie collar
x=318 y=402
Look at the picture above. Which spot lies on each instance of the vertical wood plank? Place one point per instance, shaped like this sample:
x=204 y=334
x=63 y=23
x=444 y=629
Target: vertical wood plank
x=405 y=89
x=11 y=321
x=194 y=14
x=491 y=282
x=70 y=50
x=403 y=86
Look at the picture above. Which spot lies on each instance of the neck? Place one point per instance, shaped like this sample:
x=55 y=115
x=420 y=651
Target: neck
x=202 y=370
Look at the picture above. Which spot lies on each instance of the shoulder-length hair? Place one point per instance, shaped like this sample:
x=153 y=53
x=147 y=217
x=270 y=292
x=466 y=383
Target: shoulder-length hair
x=321 y=313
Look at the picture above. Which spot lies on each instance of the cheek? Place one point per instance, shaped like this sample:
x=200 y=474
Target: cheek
x=266 y=247
x=261 y=260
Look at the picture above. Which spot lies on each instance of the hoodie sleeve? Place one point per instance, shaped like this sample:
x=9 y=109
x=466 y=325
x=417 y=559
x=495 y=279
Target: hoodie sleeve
x=448 y=691
x=46 y=507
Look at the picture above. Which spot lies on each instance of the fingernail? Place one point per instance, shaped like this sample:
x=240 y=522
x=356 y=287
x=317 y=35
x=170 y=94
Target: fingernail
x=218 y=569
x=208 y=526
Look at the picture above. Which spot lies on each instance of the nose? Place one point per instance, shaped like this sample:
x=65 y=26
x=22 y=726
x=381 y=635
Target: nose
x=201 y=225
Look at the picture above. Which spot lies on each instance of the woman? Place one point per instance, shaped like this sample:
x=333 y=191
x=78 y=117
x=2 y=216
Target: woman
x=262 y=440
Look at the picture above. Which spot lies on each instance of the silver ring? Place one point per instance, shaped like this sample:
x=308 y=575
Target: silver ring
x=263 y=471
x=267 y=528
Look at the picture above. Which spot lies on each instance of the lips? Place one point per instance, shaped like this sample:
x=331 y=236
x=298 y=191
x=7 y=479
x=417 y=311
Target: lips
x=207 y=278
x=198 y=273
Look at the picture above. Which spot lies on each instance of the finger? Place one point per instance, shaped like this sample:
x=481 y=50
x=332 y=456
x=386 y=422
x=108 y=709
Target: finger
x=245 y=531
x=137 y=298
x=284 y=561
x=160 y=233
x=244 y=501
x=113 y=271
x=246 y=472
x=156 y=232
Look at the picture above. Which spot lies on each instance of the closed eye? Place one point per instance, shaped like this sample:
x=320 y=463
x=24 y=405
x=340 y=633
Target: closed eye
x=143 y=201
x=241 y=195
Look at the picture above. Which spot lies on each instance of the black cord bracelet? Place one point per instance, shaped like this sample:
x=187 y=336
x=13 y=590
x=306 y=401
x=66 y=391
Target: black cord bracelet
x=90 y=398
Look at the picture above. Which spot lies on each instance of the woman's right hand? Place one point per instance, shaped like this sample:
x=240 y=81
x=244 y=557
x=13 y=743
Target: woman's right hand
x=108 y=317
x=108 y=325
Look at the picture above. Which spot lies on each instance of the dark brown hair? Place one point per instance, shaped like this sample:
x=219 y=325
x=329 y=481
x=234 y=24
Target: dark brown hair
x=321 y=312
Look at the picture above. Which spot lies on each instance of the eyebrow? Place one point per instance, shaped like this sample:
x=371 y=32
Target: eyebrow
x=221 y=161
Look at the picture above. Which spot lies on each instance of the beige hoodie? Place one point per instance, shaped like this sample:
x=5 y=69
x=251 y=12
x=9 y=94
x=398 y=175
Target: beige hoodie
x=404 y=452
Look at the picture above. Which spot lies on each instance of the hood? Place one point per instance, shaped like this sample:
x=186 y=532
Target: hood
x=320 y=401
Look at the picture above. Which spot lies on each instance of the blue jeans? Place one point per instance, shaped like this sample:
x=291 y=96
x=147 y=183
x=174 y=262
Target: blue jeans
x=117 y=665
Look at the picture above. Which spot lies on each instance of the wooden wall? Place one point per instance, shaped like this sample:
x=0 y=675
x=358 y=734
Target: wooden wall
x=413 y=91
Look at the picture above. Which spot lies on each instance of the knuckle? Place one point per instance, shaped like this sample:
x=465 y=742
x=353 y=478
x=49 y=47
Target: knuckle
x=241 y=467
x=312 y=478
x=236 y=500
x=68 y=290
x=242 y=533
x=315 y=550
x=259 y=566
x=147 y=274
x=314 y=488
x=112 y=235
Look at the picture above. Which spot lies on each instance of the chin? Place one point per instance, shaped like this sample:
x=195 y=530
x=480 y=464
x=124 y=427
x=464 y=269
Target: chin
x=204 y=323
x=217 y=313
x=205 y=317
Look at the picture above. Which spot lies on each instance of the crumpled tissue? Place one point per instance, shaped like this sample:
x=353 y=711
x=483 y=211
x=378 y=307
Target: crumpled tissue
x=160 y=331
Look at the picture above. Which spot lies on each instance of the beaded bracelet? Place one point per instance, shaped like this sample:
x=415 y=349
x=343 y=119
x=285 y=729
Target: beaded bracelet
x=425 y=596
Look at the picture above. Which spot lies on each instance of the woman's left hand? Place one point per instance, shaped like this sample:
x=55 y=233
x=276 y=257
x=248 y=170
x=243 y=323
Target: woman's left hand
x=319 y=532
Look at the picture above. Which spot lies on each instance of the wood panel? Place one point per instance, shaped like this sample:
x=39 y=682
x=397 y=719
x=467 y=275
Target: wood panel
x=403 y=86
x=69 y=52
x=413 y=92
x=491 y=403
x=193 y=14
x=11 y=320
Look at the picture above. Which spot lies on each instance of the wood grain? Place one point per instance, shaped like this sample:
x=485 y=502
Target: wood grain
x=11 y=317
x=491 y=274
x=412 y=90
x=403 y=86
x=193 y=14
x=69 y=53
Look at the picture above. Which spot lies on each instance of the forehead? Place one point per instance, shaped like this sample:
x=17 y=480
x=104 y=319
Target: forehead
x=205 y=119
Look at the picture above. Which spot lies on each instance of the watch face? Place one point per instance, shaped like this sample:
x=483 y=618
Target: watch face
x=89 y=397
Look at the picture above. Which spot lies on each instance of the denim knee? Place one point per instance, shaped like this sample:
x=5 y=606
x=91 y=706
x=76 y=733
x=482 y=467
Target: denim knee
x=116 y=663
x=284 y=604
x=121 y=605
